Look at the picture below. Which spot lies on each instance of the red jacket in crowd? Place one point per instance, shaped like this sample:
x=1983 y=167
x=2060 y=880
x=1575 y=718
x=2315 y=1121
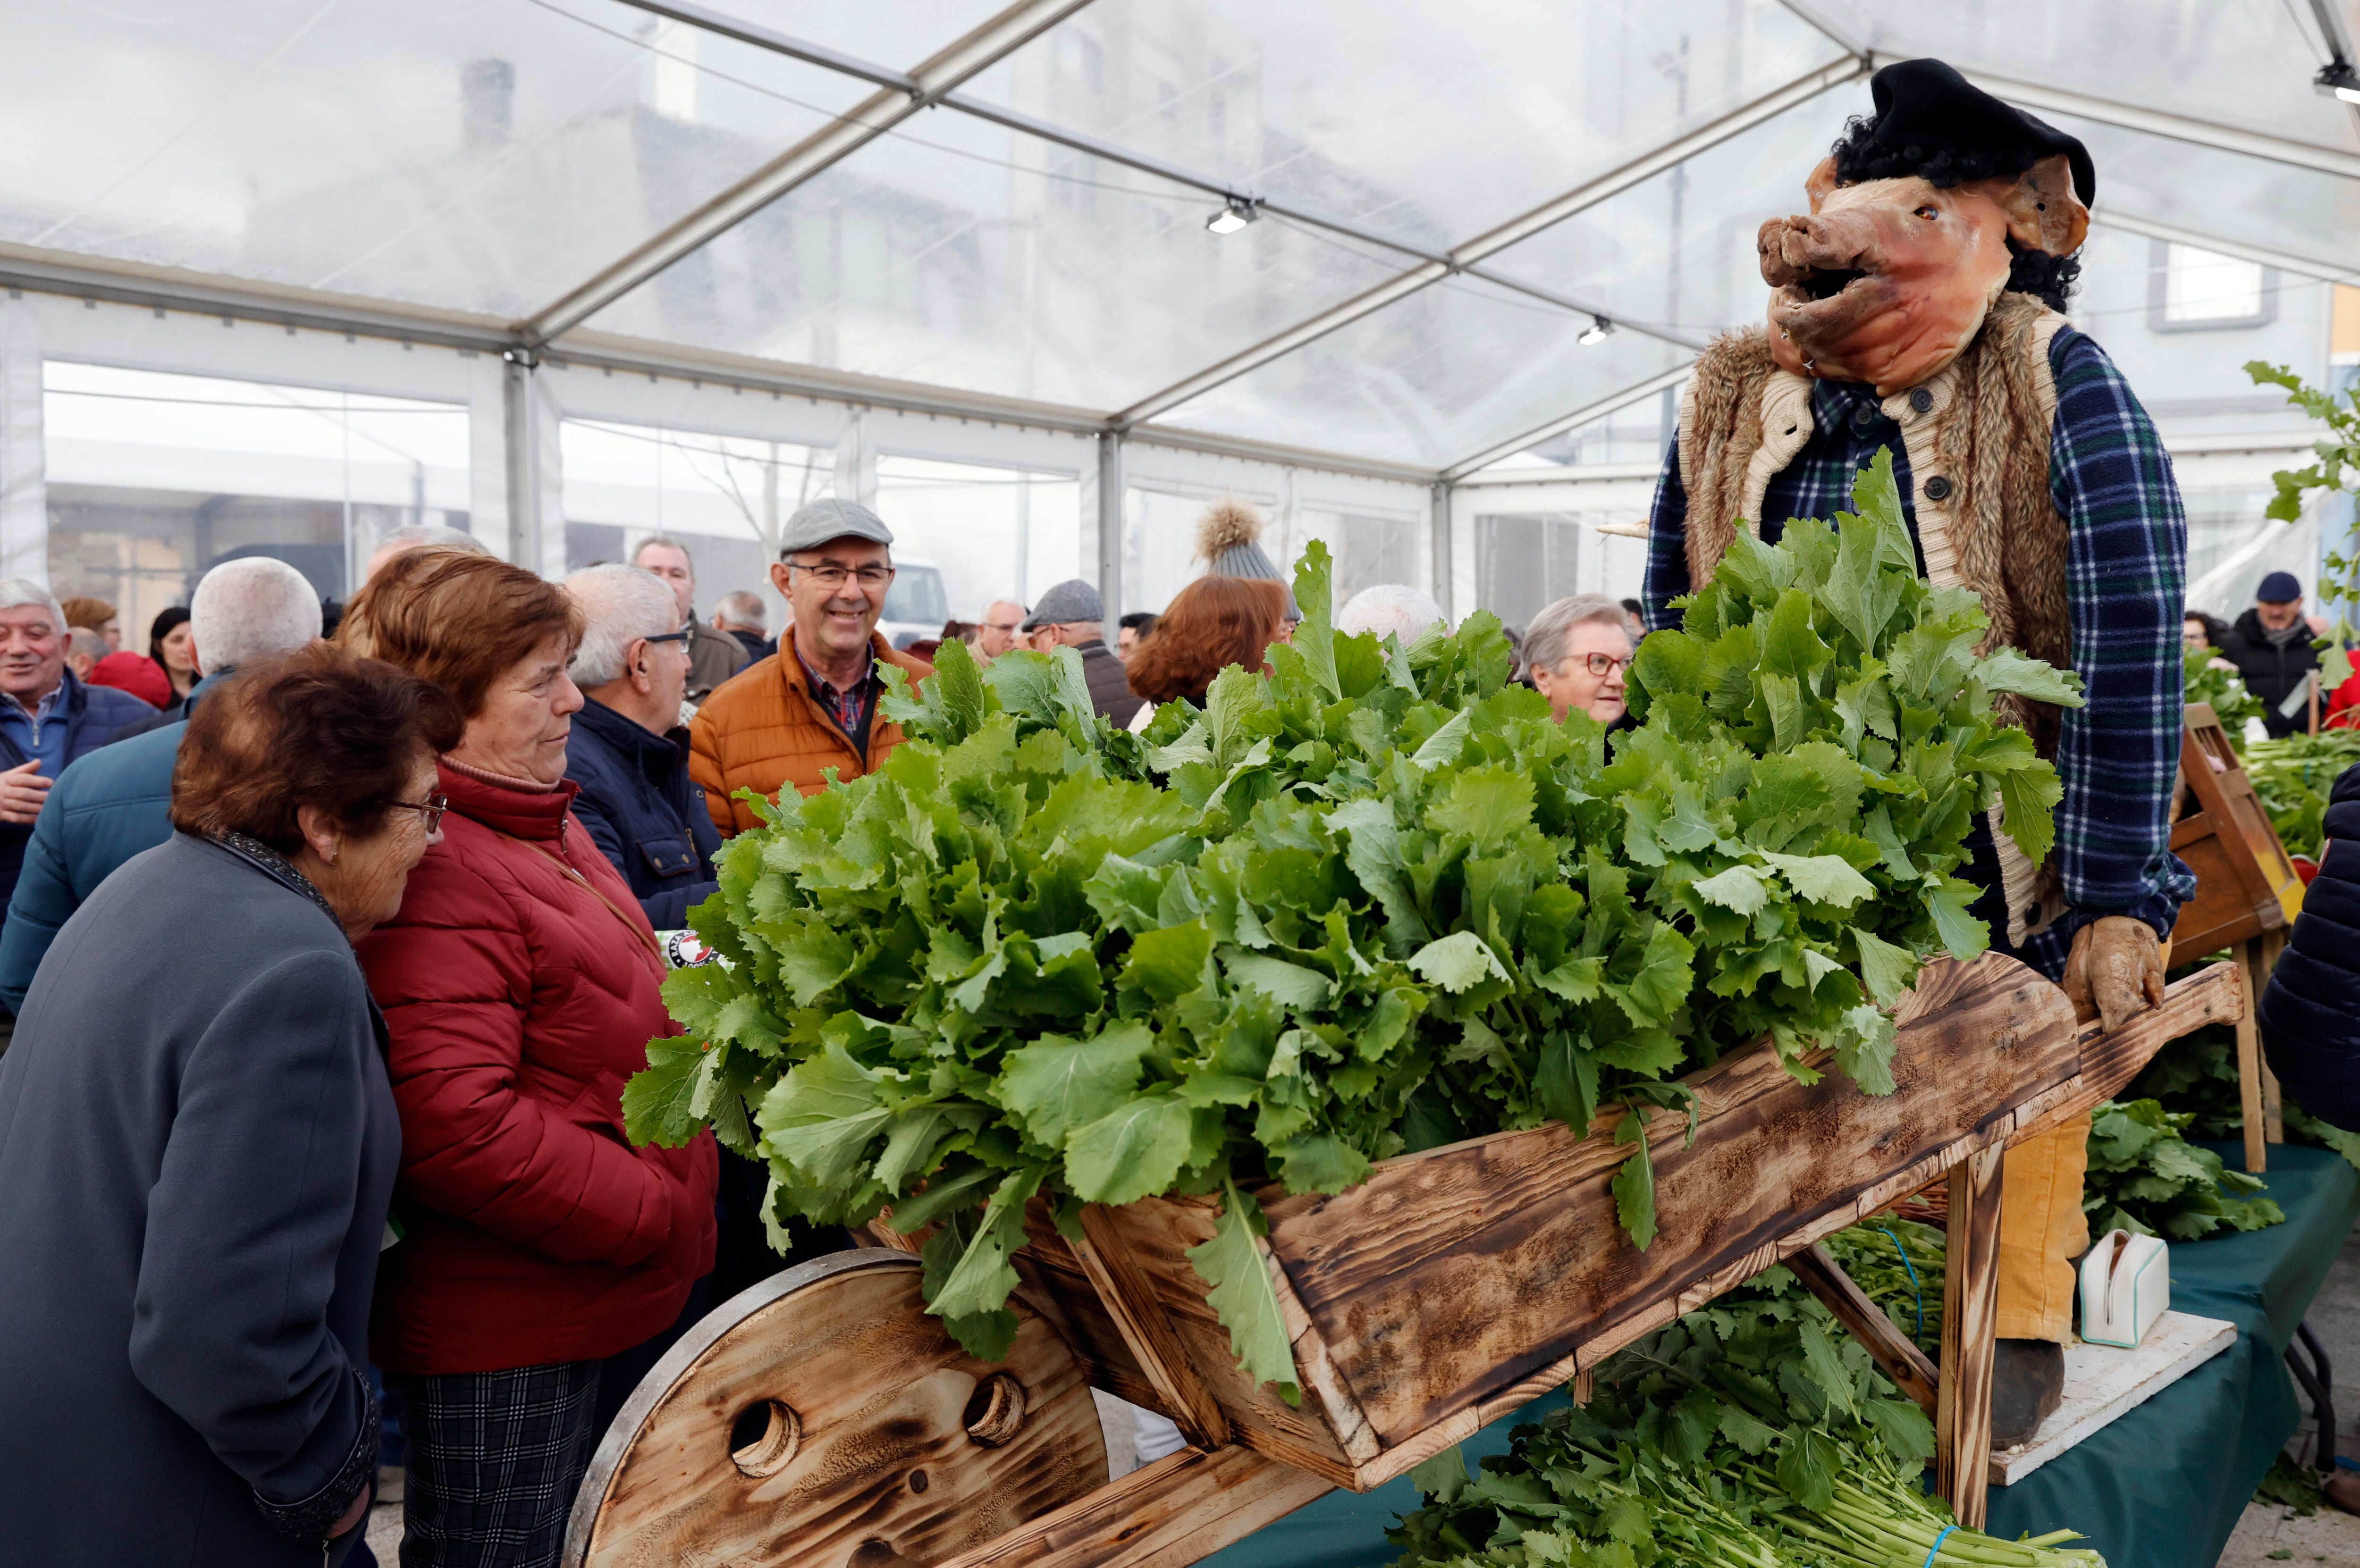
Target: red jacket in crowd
x=2342 y=711
x=521 y=994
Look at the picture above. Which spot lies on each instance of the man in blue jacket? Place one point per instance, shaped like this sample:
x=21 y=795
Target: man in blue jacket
x=629 y=751
x=111 y=804
x=48 y=719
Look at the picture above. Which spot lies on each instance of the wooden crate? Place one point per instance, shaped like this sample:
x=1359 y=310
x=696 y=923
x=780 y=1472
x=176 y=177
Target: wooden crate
x=1455 y=1285
x=2245 y=883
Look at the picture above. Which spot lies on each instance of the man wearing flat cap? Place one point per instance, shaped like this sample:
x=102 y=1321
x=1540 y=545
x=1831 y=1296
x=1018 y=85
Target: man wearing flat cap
x=810 y=706
x=1917 y=309
x=2270 y=646
x=1071 y=615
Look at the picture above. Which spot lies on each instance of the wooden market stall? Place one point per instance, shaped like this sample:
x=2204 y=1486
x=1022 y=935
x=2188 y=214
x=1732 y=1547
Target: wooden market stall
x=823 y=1419
x=2247 y=896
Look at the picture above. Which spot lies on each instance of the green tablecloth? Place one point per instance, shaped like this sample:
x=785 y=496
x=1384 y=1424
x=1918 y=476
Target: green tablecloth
x=2159 y=1488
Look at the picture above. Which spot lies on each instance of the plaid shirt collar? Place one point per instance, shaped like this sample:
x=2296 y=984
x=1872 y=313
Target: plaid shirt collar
x=852 y=707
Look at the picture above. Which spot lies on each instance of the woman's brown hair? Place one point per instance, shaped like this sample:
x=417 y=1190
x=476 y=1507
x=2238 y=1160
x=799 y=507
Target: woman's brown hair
x=461 y=621
x=1213 y=622
x=317 y=727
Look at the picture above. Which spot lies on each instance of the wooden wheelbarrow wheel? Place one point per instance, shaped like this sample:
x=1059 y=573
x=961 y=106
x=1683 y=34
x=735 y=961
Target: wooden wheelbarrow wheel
x=822 y=1420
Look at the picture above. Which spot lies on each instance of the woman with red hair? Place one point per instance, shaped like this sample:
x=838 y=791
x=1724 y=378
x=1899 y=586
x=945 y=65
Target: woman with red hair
x=1213 y=622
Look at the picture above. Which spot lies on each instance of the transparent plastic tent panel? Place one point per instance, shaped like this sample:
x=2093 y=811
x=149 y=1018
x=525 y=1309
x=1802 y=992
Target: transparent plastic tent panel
x=1432 y=123
x=898 y=34
x=1431 y=379
x=964 y=254
x=474 y=156
x=2206 y=191
x=2234 y=62
x=1677 y=253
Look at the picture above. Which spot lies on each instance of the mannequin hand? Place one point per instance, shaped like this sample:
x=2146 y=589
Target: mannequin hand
x=2116 y=971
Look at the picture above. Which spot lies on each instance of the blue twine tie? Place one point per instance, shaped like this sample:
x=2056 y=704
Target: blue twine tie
x=1912 y=1285
x=1936 y=1551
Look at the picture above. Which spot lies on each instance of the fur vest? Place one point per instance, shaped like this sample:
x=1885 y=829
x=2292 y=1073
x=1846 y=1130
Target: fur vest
x=1977 y=435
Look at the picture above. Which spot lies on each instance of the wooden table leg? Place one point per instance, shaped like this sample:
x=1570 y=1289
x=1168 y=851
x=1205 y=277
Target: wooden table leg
x=2272 y=944
x=2250 y=1059
x=1970 y=1307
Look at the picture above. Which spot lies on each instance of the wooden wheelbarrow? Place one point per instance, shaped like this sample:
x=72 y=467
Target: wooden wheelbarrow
x=823 y=1420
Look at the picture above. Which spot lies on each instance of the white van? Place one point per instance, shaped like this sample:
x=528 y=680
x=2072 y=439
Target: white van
x=916 y=606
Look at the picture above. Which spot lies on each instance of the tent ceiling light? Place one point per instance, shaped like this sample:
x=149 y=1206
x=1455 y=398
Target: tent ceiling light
x=1239 y=211
x=2338 y=80
x=1599 y=327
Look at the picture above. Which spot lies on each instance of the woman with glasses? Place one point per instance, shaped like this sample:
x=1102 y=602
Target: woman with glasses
x=1578 y=650
x=195 y=1162
x=520 y=984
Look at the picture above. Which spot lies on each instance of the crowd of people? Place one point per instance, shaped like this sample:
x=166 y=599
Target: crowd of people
x=343 y=1179
x=344 y=1176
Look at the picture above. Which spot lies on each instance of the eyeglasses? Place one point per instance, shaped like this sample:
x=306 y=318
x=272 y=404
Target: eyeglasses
x=430 y=809
x=683 y=635
x=1604 y=664
x=835 y=577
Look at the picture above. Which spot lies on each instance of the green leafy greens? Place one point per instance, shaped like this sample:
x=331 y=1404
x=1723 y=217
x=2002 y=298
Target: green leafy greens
x=2144 y=1176
x=1754 y=1433
x=1371 y=901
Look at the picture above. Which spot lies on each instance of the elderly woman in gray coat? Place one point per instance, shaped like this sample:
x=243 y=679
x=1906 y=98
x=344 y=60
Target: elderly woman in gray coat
x=197 y=1149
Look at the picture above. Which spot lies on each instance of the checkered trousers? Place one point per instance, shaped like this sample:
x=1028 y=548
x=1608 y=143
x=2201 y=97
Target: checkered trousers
x=494 y=1459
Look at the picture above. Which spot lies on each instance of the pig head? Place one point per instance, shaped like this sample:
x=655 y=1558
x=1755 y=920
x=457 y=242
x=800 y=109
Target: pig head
x=1888 y=281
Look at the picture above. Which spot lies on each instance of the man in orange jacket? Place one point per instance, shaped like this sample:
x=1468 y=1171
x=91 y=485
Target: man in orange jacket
x=810 y=706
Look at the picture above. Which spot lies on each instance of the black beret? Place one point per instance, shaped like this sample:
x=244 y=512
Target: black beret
x=1933 y=122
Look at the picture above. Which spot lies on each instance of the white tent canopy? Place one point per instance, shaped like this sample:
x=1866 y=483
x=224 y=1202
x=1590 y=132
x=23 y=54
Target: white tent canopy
x=1465 y=229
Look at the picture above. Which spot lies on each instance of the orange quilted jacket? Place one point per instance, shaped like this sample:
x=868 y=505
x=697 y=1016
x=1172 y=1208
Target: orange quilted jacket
x=763 y=730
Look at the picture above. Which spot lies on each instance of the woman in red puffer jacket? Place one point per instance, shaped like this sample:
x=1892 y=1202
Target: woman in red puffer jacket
x=520 y=984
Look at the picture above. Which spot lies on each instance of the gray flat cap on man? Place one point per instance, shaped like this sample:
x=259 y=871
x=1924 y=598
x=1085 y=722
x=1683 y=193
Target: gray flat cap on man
x=1069 y=602
x=817 y=522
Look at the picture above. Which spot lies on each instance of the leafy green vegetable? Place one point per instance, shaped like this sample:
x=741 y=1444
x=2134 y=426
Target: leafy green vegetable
x=2211 y=680
x=2292 y=776
x=1898 y=1264
x=2145 y=1176
x=1369 y=901
x=1750 y=1433
x=2196 y=1073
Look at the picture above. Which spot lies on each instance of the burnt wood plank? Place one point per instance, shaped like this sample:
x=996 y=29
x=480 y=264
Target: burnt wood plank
x=1970 y=1318
x=2213 y=994
x=1145 y=1327
x=1451 y=1277
x=1892 y=1350
x=1178 y=1511
x=1159 y=1232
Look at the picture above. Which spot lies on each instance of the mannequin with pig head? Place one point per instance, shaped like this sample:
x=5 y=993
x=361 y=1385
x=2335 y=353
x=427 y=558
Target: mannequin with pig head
x=1917 y=312
x=1888 y=280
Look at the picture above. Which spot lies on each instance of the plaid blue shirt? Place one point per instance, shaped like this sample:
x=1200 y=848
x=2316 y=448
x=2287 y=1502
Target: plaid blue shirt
x=2126 y=551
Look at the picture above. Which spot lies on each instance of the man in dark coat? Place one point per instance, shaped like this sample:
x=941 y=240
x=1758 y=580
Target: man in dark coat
x=629 y=751
x=2309 y=1013
x=1071 y=615
x=117 y=802
x=2270 y=646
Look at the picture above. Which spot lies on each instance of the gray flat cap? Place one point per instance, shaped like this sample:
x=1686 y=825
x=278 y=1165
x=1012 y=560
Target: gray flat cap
x=817 y=522
x=1070 y=601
